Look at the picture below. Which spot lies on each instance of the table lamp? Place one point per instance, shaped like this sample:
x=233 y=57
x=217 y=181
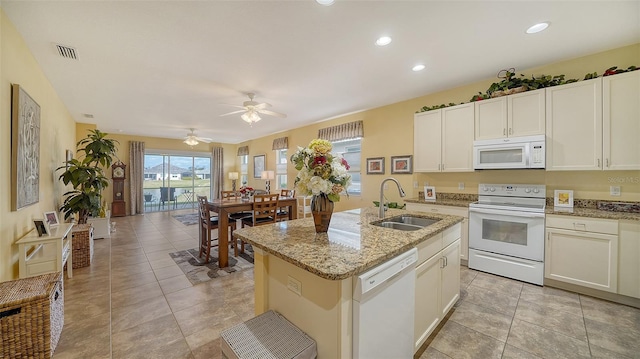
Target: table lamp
x=233 y=176
x=268 y=175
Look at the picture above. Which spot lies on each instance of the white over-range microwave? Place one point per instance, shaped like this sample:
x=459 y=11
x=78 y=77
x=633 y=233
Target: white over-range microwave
x=509 y=153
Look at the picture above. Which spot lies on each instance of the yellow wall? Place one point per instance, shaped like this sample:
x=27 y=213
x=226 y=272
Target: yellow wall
x=389 y=132
x=57 y=134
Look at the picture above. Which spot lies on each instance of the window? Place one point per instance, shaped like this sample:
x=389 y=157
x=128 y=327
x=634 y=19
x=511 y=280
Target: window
x=244 y=170
x=350 y=150
x=281 y=168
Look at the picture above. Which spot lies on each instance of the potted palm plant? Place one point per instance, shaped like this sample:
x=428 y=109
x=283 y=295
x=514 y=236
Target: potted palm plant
x=86 y=175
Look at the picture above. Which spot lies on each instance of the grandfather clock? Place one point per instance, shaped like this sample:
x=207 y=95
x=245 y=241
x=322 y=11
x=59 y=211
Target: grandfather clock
x=118 y=206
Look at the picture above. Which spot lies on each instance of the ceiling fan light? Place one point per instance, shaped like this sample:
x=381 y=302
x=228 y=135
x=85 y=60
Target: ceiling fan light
x=191 y=141
x=325 y=2
x=251 y=117
x=537 y=28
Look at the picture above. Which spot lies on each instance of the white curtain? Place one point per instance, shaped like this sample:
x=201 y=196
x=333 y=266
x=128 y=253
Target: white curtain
x=136 y=177
x=217 y=175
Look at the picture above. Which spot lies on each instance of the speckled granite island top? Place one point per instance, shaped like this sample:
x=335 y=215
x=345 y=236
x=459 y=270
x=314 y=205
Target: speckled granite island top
x=350 y=247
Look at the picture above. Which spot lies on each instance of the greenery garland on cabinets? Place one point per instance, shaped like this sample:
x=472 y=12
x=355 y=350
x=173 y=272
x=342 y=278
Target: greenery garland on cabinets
x=511 y=84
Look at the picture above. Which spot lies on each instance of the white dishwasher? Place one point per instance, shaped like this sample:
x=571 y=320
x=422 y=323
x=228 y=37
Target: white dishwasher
x=383 y=309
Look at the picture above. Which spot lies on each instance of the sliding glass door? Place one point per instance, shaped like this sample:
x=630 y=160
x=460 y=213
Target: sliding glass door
x=173 y=181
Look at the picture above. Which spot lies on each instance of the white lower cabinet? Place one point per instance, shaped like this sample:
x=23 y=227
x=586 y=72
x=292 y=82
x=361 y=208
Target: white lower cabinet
x=629 y=259
x=451 y=211
x=437 y=281
x=582 y=251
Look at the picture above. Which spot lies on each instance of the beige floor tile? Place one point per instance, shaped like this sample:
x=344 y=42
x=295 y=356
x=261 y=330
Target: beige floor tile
x=431 y=353
x=210 y=350
x=458 y=341
x=86 y=338
x=614 y=338
x=497 y=283
x=123 y=318
x=78 y=309
x=174 y=284
x=168 y=272
x=504 y=303
x=549 y=318
x=553 y=298
x=158 y=338
x=135 y=295
x=132 y=280
x=483 y=320
x=546 y=343
x=511 y=352
x=161 y=263
x=612 y=313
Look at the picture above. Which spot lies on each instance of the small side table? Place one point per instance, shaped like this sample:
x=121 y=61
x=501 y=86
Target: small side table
x=46 y=254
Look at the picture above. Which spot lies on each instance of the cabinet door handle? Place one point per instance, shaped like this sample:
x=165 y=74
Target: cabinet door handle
x=607 y=160
x=443 y=166
x=504 y=131
x=511 y=131
x=441 y=262
x=446 y=261
x=598 y=162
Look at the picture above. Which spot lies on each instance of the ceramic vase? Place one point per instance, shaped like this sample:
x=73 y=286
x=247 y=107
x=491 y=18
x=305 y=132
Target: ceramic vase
x=321 y=209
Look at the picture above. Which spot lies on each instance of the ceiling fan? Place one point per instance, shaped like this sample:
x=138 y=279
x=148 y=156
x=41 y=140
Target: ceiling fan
x=253 y=109
x=192 y=139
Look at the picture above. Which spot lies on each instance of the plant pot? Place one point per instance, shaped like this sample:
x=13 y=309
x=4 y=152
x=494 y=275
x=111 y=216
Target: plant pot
x=321 y=209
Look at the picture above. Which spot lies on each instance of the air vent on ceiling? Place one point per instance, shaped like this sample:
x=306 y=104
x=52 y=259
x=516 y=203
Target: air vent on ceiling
x=67 y=52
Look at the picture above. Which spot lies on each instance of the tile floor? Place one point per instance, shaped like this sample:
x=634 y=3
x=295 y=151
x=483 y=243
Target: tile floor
x=134 y=302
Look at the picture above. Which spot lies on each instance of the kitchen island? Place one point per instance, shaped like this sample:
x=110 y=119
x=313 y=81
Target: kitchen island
x=309 y=277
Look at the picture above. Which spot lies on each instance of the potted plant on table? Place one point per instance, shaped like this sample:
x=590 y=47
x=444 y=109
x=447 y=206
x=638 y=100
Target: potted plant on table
x=86 y=175
x=322 y=175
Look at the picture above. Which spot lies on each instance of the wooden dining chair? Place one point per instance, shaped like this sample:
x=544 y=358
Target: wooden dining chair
x=232 y=196
x=207 y=225
x=283 y=212
x=264 y=211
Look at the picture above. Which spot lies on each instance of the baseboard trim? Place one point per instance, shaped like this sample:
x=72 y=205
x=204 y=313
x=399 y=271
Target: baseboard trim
x=613 y=297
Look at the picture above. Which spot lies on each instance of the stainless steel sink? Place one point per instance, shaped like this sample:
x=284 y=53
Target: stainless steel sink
x=405 y=223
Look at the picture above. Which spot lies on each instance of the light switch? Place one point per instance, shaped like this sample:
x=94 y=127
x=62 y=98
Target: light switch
x=415 y=184
x=460 y=185
x=614 y=191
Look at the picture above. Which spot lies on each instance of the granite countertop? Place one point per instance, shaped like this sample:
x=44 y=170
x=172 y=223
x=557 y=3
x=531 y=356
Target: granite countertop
x=582 y=207
x=594 y=213
x=350 y=247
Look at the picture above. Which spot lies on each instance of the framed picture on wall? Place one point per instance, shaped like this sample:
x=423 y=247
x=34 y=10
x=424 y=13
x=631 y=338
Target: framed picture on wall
x=402 y=164
x=25 y=149
x=375 y=166
x=258 y=165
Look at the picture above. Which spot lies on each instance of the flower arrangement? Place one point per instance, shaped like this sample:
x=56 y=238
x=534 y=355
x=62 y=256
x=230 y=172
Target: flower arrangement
x=320 y=171
x=246 y=190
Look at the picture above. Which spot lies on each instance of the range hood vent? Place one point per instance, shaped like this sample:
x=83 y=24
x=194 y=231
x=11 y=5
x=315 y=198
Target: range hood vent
x=66 y=51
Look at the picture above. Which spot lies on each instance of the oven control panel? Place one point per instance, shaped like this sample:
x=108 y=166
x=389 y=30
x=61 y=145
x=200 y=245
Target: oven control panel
x=512 y=190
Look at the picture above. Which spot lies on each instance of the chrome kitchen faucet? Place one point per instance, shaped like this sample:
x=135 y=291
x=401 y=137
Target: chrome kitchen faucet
x=383 y=206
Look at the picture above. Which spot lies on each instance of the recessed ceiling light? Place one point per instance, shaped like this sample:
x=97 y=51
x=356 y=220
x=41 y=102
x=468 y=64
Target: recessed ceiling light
x=325 y=2
x=418 y=68
x=537 y=27
x=383 y=41
x=87 y=115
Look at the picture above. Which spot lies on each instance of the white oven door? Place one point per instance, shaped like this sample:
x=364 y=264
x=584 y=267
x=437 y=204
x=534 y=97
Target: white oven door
x=518 y=234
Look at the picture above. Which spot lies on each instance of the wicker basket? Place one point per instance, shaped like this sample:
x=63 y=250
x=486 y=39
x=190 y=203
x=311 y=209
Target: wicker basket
x=31 y=316
x=512 y=91
x=82 y=240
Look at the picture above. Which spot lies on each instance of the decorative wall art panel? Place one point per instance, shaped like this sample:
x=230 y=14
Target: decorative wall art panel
x=25 y=149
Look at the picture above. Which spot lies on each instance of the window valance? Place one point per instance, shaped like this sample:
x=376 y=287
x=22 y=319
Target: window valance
x=243 y=151
x=281 y=143
x=345 y=131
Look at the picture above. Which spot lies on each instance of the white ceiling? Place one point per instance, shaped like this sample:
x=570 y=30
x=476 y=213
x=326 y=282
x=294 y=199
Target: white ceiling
x=158 y=68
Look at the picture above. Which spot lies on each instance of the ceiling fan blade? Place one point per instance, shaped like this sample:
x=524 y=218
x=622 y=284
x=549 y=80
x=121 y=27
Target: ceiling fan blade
x=260 y=106
x=204 y=139
x=228 y=104
x=272 y=113
x=233 y=113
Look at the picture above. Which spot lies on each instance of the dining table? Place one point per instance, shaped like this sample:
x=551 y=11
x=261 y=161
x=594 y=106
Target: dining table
x=225 y=207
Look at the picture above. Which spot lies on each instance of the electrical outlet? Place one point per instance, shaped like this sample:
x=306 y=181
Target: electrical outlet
x=460 y=185
x=294 y=285
x=614 y=191
x=386 y=186
x=415 y=184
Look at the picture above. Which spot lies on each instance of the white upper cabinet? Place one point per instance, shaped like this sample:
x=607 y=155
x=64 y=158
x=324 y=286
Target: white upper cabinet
x=522 y=114
x=621 y=121
x=574 y=126
x=443 y=139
